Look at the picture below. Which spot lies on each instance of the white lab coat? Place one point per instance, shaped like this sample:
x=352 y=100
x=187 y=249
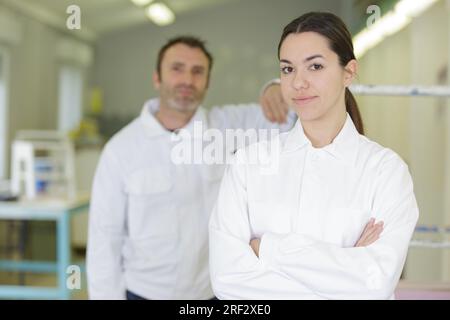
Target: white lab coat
x=148 y=225
x=309 y=215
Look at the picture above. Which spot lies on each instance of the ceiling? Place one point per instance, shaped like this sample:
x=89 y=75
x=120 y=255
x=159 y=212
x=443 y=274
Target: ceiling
x=101 y=16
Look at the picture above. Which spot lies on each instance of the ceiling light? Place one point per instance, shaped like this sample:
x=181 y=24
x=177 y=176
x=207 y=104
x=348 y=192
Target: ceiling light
x=160 y=14
x=392 y=22
x=366 y=40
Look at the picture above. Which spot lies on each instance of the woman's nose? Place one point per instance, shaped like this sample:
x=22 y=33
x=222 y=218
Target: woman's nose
x=299 y=82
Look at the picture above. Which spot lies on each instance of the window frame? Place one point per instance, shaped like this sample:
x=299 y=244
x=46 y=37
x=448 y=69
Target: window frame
x=63 y=123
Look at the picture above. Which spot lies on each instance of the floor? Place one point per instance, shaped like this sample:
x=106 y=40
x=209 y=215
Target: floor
x=45 y=280
x=405 y=290
x=422 y=291
x=42 y=280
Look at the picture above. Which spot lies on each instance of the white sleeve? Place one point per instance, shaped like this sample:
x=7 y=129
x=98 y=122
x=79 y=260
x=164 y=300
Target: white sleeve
x=236 y=272
x=248 y=116
x=268 y=84
x=327 y=270
x=106 y=231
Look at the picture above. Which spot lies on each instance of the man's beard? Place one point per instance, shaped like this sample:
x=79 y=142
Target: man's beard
x=182 y=103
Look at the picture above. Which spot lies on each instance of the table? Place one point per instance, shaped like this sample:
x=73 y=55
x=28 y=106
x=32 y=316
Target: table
x=61 y=211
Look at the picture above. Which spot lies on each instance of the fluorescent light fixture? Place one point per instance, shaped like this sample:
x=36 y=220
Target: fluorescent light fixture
x=141 y=3
x=160 y=14
x=413 y=8
x=366 y=40
x=391 y=23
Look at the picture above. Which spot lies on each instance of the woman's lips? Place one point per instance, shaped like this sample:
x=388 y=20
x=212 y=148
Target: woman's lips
x=301 y=101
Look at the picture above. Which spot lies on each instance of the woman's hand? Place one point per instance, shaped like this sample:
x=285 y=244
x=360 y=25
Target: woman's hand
x=370 y=234
x=254 y=243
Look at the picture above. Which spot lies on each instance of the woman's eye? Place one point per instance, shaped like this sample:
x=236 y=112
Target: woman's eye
x=316 y=67
x=287 y=70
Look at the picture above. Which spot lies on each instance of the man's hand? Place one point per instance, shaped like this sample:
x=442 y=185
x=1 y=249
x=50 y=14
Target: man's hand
x=370 y=234
x=273 y=105
x=254 y=243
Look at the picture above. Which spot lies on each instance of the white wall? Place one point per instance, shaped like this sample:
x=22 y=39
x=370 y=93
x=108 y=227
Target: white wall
x=446 y=258
x=415 y=127
x=429 y=52
x=35 y=58
x=386 y=119
x=243 y=37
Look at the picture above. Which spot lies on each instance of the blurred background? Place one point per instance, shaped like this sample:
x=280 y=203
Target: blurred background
x=65 y=91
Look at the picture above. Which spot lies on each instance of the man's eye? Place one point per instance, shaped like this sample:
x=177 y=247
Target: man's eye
x=316 y=67
x=287 y=70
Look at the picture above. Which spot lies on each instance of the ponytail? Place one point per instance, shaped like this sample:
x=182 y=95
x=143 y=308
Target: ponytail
x=352 y=108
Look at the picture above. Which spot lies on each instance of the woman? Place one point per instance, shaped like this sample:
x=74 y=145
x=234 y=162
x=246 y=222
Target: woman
x=307 y=229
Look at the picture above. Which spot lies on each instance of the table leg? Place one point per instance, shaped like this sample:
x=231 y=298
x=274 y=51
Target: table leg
x=63 y=253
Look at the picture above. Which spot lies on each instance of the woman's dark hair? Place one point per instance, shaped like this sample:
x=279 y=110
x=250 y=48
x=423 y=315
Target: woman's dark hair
x=340 y=40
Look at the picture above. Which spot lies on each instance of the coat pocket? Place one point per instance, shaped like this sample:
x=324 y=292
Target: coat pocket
x=151 y=207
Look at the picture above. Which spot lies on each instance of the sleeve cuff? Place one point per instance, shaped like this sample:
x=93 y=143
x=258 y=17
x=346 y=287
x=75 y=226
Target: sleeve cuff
x=268 y=84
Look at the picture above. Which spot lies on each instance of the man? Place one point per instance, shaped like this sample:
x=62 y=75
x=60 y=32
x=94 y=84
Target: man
x=148 y=225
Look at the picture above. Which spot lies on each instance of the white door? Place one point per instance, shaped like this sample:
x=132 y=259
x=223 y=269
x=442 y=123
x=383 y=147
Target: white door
x=70 y=97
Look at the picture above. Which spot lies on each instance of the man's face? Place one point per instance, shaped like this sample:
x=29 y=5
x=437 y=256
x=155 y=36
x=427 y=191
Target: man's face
x=183 y=81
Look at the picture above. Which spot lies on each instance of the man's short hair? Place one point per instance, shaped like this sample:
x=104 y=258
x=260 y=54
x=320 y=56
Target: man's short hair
x=190 y=41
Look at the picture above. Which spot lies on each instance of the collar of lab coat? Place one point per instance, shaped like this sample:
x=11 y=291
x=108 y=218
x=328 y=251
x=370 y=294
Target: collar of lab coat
x=153 y=128
x=344 y=146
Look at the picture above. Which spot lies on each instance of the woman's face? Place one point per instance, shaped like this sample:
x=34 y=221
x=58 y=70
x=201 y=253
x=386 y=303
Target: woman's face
x=312 y=80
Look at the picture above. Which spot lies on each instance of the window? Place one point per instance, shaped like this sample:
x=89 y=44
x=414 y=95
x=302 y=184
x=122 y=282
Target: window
x=4 y=64
x=70 y=97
